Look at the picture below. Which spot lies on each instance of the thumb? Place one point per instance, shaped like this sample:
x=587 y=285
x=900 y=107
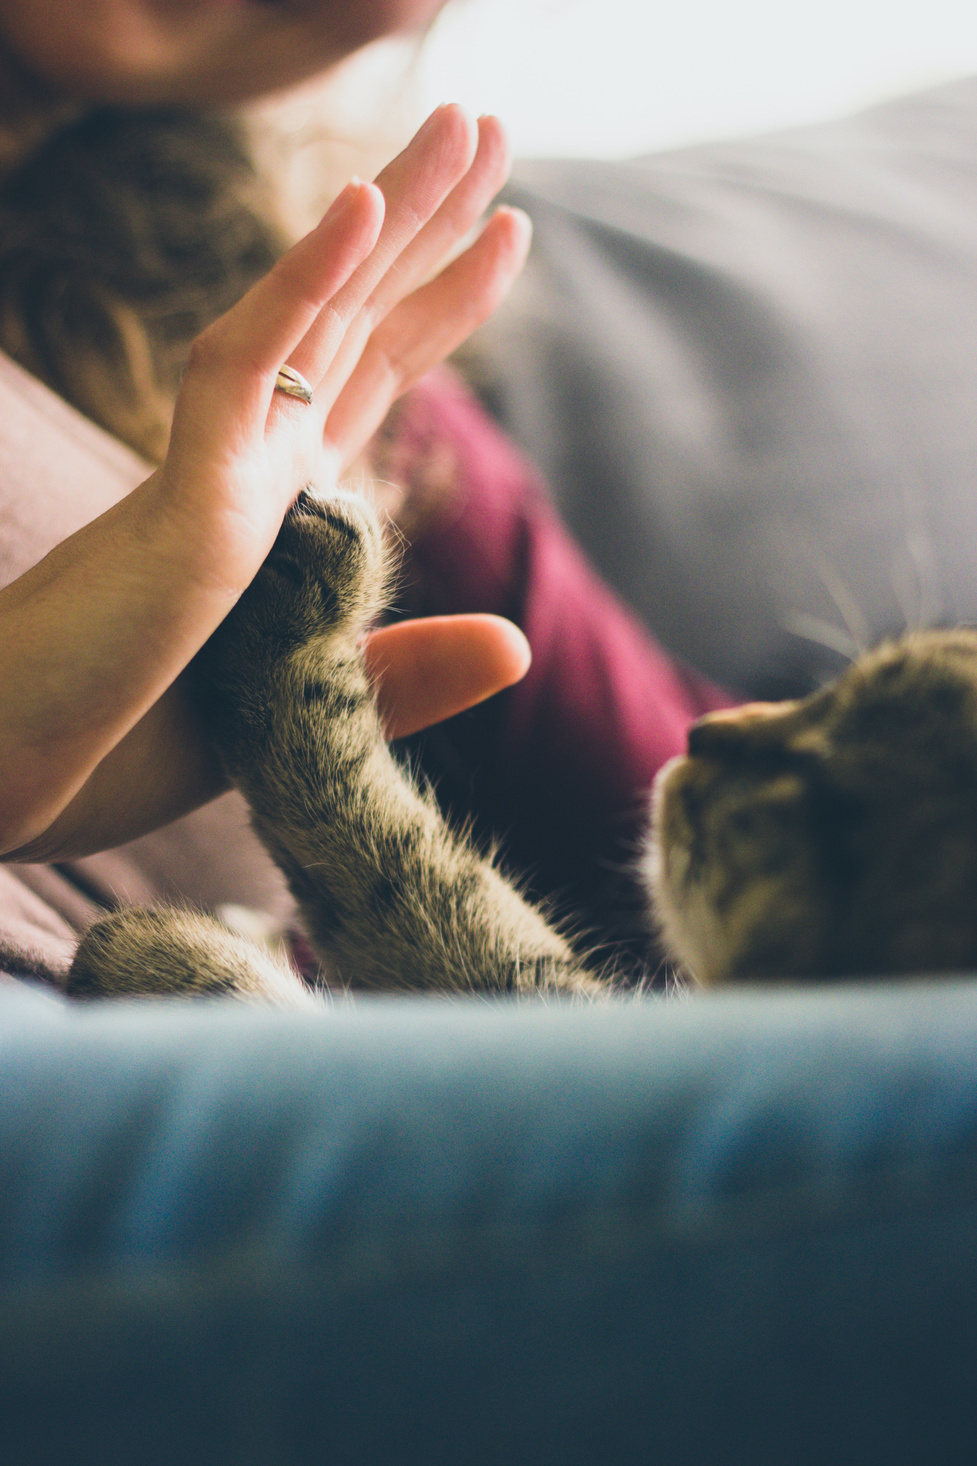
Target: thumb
x=428 y=670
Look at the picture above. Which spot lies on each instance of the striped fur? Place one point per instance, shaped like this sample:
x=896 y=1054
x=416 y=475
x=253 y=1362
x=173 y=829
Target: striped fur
x=392 y=900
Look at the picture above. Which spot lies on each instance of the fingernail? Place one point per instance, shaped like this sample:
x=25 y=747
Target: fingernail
x=519 y=214
x=342 y=200
x=337 y=207
x=430 y=119
x=441 y=108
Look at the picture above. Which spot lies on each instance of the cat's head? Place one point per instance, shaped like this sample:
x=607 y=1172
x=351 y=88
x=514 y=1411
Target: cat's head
x=830 y=837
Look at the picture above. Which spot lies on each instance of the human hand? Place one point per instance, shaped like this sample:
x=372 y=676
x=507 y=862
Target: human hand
x=353 y=309
x=96 y=741
x=424 y=671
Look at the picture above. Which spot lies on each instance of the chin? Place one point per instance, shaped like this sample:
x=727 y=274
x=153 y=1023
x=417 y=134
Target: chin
x=192 y=52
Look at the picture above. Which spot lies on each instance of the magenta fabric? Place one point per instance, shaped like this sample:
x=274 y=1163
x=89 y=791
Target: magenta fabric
x=559 y=767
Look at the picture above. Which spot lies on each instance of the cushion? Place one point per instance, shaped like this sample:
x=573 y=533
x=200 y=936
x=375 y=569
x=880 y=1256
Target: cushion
x=748 y=371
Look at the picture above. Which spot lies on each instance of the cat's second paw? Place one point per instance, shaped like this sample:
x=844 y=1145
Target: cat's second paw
x=167 y=953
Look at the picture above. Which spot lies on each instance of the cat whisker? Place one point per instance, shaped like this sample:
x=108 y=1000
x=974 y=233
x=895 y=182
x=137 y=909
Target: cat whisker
x=823 y=633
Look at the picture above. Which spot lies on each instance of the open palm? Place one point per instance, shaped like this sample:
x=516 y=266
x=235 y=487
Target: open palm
x=97 y=738
x=355 y=309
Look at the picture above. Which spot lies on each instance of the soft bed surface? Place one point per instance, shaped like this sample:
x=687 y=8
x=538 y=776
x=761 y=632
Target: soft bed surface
x=733 y=1228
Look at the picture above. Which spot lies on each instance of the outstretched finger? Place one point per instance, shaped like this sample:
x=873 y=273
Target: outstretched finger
x=429 y=670
x=453 y=221
x=231 y=372
x=414 y=187
x=426 y=327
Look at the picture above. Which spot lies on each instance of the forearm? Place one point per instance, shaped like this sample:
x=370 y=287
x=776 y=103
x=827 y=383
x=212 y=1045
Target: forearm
x=163 y=768
x=96 y=634
x=90 y=640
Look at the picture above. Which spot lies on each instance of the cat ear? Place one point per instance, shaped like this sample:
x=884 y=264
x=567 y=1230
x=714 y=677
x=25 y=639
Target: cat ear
x=731 y=729
x=758 y=725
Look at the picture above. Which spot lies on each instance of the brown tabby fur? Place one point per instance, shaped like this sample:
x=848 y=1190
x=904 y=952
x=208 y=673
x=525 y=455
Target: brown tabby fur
x=821 y=839
x=389 y=895
x=831 y=837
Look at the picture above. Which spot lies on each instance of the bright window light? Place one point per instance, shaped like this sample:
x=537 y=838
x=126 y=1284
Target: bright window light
x=611 y=77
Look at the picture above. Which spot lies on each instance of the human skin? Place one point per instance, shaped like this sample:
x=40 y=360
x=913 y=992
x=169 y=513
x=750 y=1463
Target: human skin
x=101 y=744
x=193 y=52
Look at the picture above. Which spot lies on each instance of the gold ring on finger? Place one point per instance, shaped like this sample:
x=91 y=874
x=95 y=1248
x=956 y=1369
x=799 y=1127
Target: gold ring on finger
x=293 y=384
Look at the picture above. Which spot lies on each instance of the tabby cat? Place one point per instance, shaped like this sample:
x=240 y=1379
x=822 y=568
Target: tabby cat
x=830 y=837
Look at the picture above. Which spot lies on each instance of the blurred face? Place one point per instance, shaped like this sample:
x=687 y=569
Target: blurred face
x=144 y=52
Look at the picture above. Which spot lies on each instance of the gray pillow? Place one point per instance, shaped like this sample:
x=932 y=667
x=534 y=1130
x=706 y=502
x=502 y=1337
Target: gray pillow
x=750 y=372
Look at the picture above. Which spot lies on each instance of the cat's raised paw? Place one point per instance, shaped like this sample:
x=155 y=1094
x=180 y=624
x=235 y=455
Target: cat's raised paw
x=329 y=563
x=325 y=575
x=322 y=583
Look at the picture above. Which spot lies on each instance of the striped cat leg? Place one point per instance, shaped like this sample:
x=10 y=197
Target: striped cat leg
x=389 y=894
x=167 y=953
